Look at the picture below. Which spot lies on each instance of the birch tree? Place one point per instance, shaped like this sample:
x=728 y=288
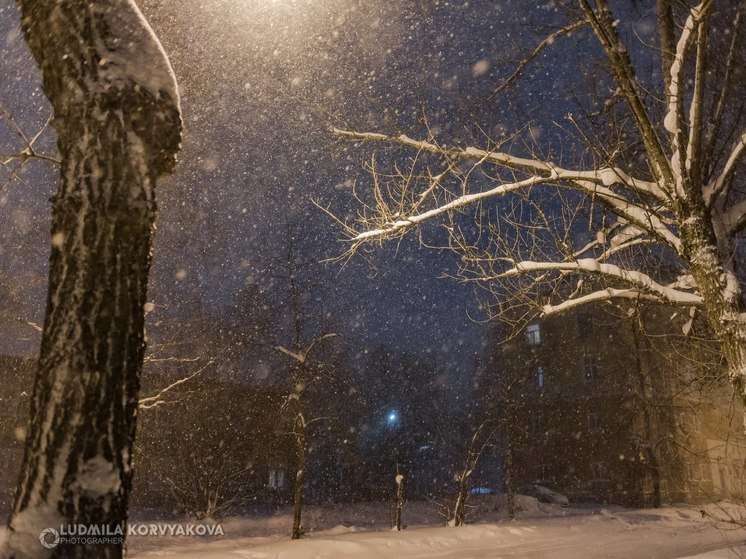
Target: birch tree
x=665 y=181
x=117 y=119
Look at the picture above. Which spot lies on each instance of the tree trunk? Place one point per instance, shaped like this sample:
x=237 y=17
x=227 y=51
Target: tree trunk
x=710 y=256
x=458 y=508
x=647 y=399
x=509 y=489
x=399 y=499
x=118 y=125
x=300 y=450
x=655 y=473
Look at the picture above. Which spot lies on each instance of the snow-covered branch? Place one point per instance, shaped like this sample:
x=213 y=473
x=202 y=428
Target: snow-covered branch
x=640 y=280
x=606 y=294
x=606 y=175
x=150 y=402
x=400 y=225
x=674 y=122
x=696 y=107
x=627 y=196
x=666 y=199
x=302 y=357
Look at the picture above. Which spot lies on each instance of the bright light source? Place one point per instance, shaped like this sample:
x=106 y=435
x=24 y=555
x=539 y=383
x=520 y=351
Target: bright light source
x=392 y=418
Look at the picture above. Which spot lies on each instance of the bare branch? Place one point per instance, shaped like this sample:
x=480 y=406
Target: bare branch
x=621 y=66
x=716 y=117
x=28 y=151
x=546 y=42
x=718 y=184
x=734 y=218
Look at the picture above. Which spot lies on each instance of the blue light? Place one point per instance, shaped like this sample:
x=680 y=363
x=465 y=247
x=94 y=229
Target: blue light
x=392 y=417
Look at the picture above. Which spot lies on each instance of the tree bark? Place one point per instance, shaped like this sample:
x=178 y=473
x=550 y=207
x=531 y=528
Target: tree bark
x=118 y=124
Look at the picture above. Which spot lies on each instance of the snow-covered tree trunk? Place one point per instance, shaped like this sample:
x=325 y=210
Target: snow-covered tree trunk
x=399 y=499
x=711 y=267
x=118 y=124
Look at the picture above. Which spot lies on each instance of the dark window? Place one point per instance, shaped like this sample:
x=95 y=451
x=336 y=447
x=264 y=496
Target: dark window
x=590 y=367
x=533 y=335
x=593 y=423
x=598 y=472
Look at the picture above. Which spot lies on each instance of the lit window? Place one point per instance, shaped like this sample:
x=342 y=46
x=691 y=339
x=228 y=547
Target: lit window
x=533 y=335
x=540 y=377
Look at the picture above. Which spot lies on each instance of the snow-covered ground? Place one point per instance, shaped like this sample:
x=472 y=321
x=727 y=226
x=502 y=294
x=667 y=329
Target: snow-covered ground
x=543 y=532
x=360 y=531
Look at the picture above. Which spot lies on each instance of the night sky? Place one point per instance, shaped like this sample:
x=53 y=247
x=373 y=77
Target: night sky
x=262 y=81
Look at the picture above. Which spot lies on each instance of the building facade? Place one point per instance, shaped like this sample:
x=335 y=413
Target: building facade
x=614 y=407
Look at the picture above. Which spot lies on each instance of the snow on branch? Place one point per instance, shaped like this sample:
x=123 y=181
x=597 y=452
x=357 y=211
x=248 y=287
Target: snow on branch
x=151 y=402
x=641 y=215
x=606 y=294
x=407 y=222
x=614 y=240
x=674 y=121
x=631 y=201
x=641 y=281
x=607 y=175
x=301 y=358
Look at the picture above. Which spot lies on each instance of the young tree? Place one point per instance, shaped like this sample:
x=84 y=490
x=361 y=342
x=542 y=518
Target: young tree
x=482 y=438
x=312 y=377
x=665 y=181
x=304 y=373
x=118 y=125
